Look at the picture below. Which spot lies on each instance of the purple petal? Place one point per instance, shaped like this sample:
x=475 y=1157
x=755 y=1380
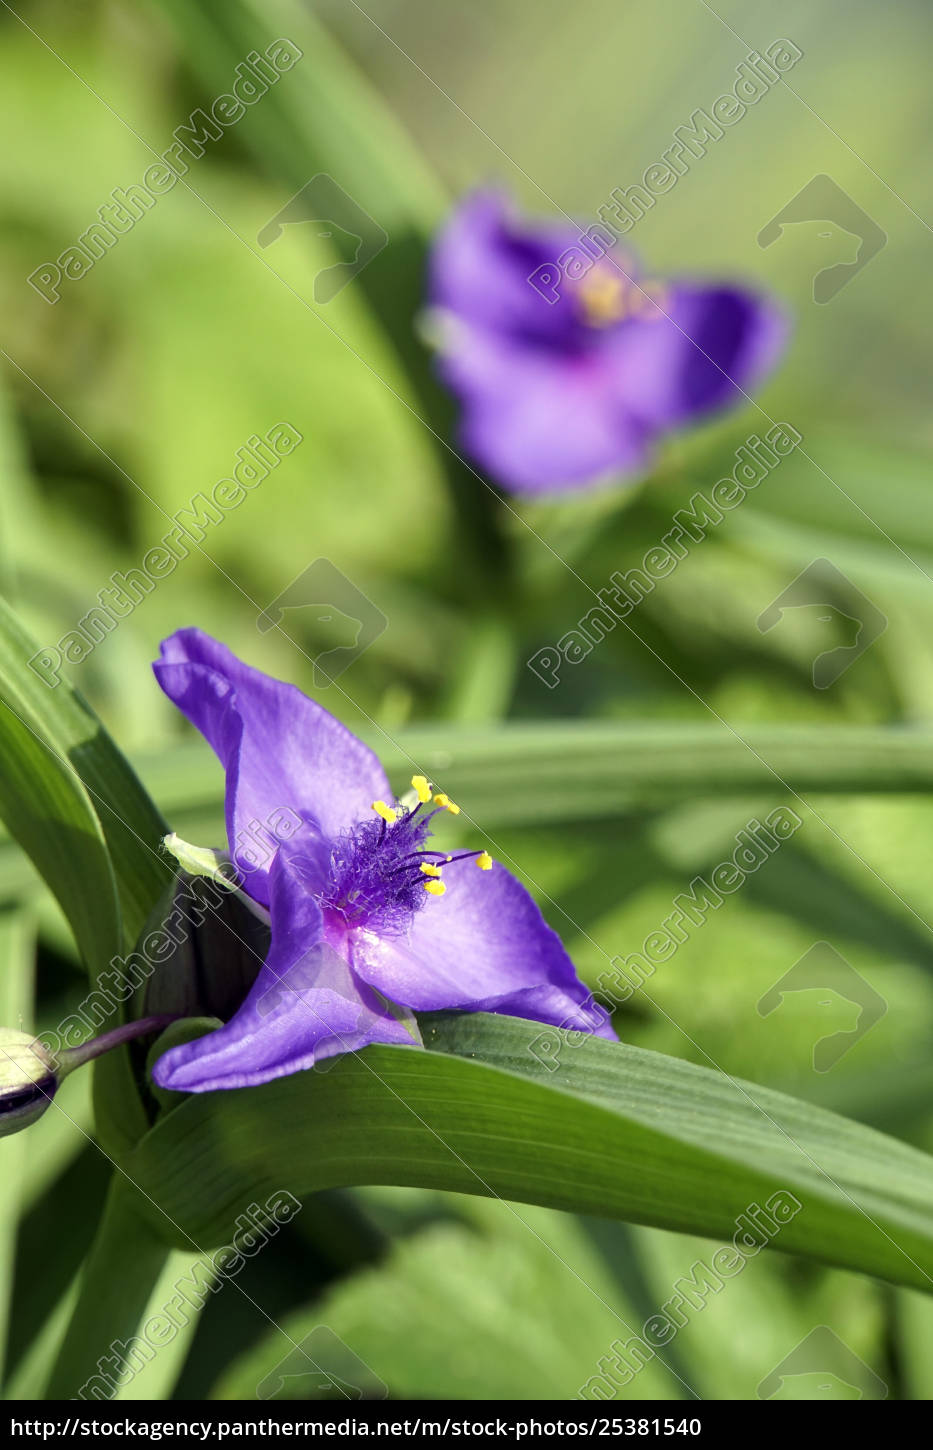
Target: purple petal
x=481 y=262
x=573 y=1009
x=483 y=943
x=306 y=1004
x=540 y=420
x=713 y=346
x=282 y=752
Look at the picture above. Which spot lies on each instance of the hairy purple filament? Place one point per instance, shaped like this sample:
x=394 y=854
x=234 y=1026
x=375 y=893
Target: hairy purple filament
x=376 y=877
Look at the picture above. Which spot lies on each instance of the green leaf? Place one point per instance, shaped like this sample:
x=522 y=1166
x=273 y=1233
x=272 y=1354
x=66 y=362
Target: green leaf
x=74 y=804
x=156 y=1379
x=17 y=956
x=515 y=1292
x=49 y=1261
x=45 y=804
x=914 y=1326
x=18 y=512
x=327 y=117
x=612 y=1130
x=117 y=1283
x=531 y=773
x=580 y=769
x=331 y=119
x=733 y=1338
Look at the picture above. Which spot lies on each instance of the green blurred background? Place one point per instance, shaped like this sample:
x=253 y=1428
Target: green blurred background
x=133 y=393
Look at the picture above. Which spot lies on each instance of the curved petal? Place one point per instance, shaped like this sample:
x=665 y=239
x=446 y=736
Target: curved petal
x=284 y=755
x=481 y=262
x=705 y=349
x=541 y=421
x=306 y=1004
x=575 y=1009
x=483 y=941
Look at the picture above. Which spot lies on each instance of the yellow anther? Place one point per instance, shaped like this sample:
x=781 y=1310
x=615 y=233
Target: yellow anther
x=436 y=888
x=419 y=784
x=446 y=804
x=430 y=870
x=484 y=861
x=386 y=812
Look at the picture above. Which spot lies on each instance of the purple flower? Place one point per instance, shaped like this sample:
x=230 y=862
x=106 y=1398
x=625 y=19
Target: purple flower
x=565 y=369
x=369 y=921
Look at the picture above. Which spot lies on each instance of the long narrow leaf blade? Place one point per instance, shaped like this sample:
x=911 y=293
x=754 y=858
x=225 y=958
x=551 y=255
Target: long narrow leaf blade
x=611 y=1130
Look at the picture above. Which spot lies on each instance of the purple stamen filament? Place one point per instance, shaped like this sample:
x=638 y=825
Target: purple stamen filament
x=382 y=875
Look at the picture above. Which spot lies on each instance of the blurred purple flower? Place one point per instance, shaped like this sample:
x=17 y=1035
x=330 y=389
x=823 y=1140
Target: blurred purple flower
x=576 y=375
x=366 y=917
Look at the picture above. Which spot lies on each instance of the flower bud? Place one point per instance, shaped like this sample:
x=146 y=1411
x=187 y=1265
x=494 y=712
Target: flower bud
x=30 y=1075
x=28 y=1080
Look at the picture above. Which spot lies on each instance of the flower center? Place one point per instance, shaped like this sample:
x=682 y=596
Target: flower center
x=382 y=871
x=603 y=296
